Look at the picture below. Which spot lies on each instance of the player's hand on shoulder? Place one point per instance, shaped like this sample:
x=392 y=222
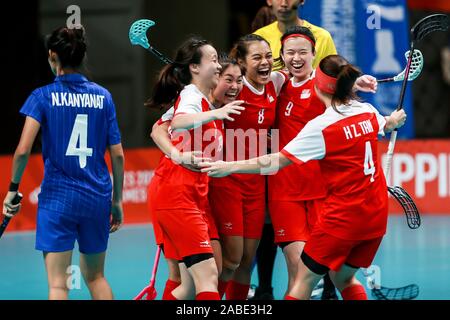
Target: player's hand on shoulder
x=116 y=216
x=10 y=209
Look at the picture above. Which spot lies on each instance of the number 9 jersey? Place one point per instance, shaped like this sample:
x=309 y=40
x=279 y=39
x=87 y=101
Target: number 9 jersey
x=78 y=122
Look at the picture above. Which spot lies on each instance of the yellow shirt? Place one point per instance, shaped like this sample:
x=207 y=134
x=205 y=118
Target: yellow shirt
x=324 y=42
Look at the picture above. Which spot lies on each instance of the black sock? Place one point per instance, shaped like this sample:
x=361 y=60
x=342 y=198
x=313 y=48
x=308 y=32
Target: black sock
x=329 y=290
x=265 y=258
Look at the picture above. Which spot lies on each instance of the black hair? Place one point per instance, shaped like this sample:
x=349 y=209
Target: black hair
x=175 y=76
x=338 y=67
x=69 y=44
x=240 y=49
x=225 y=61
x=296 y=30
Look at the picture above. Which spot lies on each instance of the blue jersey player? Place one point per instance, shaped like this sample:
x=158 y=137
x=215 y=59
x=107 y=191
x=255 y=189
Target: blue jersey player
x=78 y=122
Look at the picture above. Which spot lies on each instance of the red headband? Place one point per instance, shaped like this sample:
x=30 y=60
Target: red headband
x=324 y=82
x=297 y=35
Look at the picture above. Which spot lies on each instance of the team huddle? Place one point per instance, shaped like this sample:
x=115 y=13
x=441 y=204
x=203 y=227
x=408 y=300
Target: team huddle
x=238 y=139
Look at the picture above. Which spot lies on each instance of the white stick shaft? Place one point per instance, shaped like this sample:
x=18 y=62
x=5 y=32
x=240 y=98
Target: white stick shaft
x=390 y=154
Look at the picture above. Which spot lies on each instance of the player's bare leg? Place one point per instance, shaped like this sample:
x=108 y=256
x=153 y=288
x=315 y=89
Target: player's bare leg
x=242 y=276
x=56 y=264
x=217 y=249
x=205 y=276
x=232 y=251
x=347 y=284
x=174 y=270
x=186 y=290
x=304 y=282
x=92 y=267
x=292 y=254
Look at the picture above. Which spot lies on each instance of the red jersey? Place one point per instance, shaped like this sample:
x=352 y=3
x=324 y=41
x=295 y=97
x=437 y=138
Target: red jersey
x=166 y=117
x=183 y=188
x=356 y=206
x=246 y=136
x=297 y=105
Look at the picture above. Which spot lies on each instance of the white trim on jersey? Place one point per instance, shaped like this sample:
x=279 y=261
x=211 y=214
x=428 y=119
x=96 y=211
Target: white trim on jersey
x=190 y=100
x=252 y=88
x=278 y=79
x=168 y=115
x=309 y=144
x=301 y=83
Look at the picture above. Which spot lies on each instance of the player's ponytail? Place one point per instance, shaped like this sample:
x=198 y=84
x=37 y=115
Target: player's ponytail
x=336 y=76
x=175 y=76
x=69 y=44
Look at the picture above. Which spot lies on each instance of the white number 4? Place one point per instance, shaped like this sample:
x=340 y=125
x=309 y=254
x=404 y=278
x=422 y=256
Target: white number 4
x=79 y=136
x=369 y=167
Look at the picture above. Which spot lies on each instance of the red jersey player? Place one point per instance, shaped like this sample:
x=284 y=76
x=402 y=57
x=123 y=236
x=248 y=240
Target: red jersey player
x=227 y=90
x=181 y=198
x=239 y=200
x=296 y=193
x=353 y=218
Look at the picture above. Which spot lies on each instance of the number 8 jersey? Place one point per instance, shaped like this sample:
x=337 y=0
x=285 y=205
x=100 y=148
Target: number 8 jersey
x=356 y=206
x=78 y=122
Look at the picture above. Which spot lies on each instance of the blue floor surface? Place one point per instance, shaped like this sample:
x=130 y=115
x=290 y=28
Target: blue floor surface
x=406 y=256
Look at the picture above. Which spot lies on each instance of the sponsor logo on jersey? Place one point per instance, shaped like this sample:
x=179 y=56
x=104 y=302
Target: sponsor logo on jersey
x=205 y=244
x=228 y=225
x=280 y=233
x=271 y=99
x=306 y=93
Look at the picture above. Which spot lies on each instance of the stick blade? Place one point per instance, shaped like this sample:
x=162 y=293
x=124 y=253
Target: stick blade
x=409 y=292
x=409 y=207
x=429 y=24
x=138 y=32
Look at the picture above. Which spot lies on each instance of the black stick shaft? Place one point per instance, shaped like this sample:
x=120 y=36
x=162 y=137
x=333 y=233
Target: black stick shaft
x=160 y=56
x=405 y=80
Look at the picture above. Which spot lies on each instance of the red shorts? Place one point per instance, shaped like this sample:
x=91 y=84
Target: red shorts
x=235 y=213
x=331 y=252
x=186 y=231
x=294 y=220
x=212 y=229
x=151 y=200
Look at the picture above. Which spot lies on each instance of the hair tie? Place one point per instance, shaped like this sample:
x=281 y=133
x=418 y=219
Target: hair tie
x=325 y=82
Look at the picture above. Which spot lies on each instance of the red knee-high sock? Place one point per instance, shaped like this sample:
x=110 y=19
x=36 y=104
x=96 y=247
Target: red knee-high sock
x=169 y=296
x=237 y=291
x=170 y=286
x=355 y=292
x=207 y=296
x=288 y=297
x=222 y=287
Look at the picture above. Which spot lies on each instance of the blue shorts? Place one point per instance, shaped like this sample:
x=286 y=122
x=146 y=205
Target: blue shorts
x=57 y=232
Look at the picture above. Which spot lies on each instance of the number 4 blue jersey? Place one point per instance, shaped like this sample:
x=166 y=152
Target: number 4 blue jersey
x=78 y=122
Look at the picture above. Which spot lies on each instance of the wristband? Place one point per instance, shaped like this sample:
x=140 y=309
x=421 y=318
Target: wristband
x=13 y=187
